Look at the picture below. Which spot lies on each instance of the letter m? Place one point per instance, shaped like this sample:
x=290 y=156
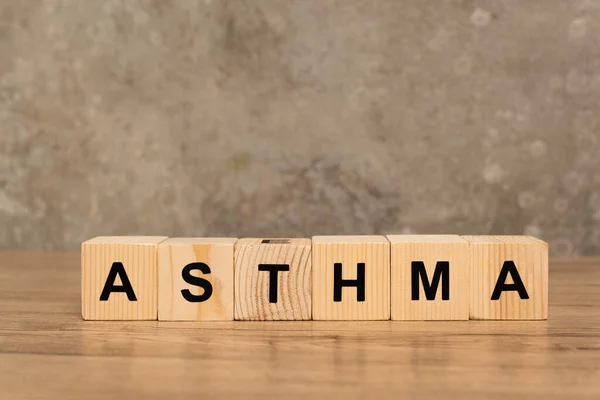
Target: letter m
x=442 y=272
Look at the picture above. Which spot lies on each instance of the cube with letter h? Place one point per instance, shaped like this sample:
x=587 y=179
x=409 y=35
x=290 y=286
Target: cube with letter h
x=119 y=278
x=430 y=277
x=351 y=278
x=509 y=277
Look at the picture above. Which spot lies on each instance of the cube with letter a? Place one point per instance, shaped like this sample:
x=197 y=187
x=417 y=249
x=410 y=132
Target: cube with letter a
x=509 y=277
x=119 y=278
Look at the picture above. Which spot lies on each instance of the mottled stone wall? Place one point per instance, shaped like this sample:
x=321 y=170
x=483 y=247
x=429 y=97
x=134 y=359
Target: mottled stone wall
x=293 y=118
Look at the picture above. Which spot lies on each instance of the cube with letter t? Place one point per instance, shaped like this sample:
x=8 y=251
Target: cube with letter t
x=272 y=279
x=351 y=278
x=119 y=278
x=509 y=277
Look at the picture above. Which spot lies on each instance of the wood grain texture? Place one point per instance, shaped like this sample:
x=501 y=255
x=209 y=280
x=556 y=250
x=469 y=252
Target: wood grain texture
x=429 y=249
x=530 y=256
x=173 y=255
x=48 y=352
x=374 y=252
x=252 y=286
x=138 y=254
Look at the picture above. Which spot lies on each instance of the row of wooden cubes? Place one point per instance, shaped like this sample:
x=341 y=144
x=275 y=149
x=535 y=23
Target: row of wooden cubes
x=402 y=277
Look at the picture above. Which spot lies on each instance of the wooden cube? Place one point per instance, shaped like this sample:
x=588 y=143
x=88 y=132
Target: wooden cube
x=429 y=277
x=195 y=279
x=119 y=278
x=351 y=278
x=273 y=279
x=509 y=277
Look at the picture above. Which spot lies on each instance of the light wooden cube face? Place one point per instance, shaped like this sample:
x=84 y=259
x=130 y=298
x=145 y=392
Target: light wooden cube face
x=430 y=277
x=195 y=279
x=352 y=260
x=499 y=264
x=273 y=279
x=113 y=264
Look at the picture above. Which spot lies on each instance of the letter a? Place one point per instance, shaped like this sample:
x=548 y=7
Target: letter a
x=509 y=267
x=117 y=268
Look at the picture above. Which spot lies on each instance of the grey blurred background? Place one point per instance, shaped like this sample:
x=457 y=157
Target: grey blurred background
x=293 y=118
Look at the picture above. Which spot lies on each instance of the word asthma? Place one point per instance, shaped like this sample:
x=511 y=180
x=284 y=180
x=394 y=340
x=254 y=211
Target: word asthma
x=398 y=277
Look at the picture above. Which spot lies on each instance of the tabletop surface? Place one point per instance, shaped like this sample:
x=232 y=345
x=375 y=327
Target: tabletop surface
x=48 y=352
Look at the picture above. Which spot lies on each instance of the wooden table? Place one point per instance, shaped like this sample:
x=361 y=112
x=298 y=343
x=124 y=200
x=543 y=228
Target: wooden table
x=48 y=352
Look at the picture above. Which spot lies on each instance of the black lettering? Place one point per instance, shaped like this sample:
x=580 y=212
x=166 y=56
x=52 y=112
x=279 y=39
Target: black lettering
x=509 y=267
x=442 y=272
x=339 y=283
x=275 y=241
x=117 y=268
x=273 y=277
x=187 y=276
